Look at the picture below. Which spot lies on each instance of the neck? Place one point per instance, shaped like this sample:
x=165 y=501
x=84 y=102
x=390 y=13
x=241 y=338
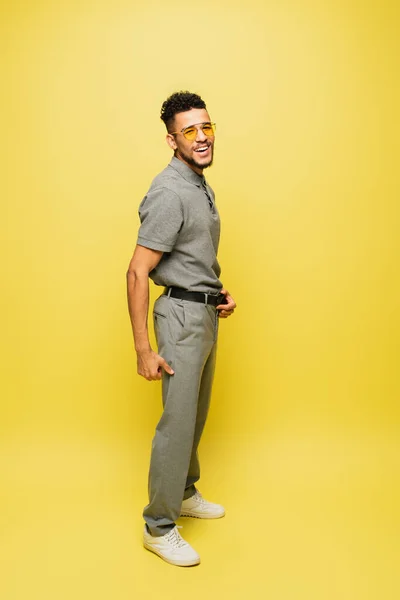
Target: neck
x=195 y=168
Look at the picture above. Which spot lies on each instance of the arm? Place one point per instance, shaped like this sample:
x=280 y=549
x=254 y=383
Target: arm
x=144 y=260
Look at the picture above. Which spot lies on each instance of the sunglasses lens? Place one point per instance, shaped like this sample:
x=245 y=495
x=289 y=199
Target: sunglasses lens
x=208 y=129
x=190 y=133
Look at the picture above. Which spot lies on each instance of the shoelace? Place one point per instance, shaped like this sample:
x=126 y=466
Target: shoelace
x=197 y=496
x=175 y=539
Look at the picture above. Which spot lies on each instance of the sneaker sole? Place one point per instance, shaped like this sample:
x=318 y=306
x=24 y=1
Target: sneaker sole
x=177 y=563
x=197 y=516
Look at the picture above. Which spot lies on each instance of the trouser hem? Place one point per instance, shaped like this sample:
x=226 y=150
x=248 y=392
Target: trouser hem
x=157 y=532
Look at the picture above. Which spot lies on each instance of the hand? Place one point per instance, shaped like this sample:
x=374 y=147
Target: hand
x=150 y=365
x=226 y=310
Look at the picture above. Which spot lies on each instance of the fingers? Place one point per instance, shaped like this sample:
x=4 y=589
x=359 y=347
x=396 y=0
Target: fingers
x=151 y=368
x=224 y=314
x=228 y=306
x=151 y=376
x=157 y=375
x=226 y=310
x=166 y=367
x=230 y=302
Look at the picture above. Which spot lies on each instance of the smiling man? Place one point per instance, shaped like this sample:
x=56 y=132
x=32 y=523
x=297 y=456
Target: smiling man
x=177 y=248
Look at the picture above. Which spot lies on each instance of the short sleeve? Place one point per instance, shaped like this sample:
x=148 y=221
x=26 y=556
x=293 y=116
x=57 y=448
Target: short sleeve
x=161 y=218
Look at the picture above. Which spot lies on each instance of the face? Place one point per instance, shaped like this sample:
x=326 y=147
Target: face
x=197 y=153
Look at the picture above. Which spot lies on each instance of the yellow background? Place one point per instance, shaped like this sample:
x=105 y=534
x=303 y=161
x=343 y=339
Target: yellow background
x=302 y=443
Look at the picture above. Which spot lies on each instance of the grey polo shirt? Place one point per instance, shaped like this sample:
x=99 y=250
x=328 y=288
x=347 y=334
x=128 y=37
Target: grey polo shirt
x=177 y=219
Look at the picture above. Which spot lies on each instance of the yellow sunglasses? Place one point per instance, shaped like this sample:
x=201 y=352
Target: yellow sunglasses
x=190 y=133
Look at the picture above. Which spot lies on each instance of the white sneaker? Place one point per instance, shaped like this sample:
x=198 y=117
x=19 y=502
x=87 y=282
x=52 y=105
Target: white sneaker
x=172 y=548
x=197 y=506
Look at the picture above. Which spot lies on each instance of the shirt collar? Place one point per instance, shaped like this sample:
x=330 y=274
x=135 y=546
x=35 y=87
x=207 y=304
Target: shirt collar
x=186 y=172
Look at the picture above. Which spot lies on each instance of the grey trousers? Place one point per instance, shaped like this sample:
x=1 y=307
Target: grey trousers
x=186 y=334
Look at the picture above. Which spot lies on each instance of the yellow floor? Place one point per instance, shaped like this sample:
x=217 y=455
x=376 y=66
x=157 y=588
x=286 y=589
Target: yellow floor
x=308 y=515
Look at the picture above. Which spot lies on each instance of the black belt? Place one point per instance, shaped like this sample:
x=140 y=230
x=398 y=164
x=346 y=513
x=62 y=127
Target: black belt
x=212 y=299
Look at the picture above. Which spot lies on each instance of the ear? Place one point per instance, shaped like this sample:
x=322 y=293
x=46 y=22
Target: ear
x=171 y=141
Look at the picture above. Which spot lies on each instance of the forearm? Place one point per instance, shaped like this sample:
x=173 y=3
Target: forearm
x=138 y=304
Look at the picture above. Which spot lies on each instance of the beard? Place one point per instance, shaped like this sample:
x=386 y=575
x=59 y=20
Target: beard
x=192 y=161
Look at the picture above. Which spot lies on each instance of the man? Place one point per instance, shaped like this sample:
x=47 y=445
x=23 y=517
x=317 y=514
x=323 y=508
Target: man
x=177 y=248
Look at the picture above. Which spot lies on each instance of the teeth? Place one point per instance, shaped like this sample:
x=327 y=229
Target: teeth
x=202 y=149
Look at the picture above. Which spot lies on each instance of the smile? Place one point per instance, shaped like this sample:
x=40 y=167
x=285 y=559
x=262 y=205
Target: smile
x=202 y=149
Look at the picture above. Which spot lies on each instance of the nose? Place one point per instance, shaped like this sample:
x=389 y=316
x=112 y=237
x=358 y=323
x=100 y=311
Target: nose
x=201 y=136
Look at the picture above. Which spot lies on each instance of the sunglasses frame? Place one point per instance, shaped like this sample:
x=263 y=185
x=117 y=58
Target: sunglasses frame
x=182 y=131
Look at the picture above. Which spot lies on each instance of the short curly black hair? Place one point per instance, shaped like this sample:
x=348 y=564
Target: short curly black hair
x=179 y=102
